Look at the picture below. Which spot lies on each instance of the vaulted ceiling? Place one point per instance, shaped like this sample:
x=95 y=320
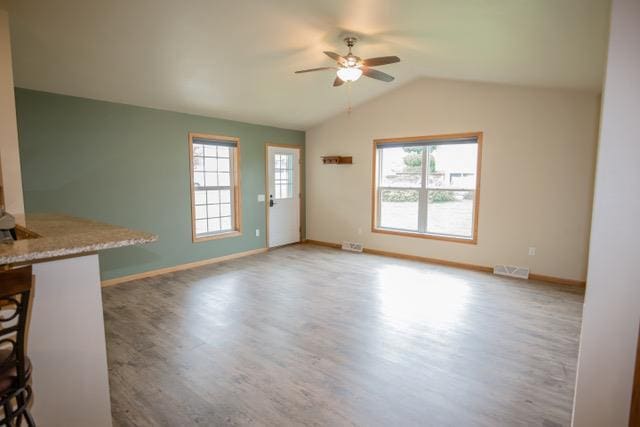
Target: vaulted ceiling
x=235 y=59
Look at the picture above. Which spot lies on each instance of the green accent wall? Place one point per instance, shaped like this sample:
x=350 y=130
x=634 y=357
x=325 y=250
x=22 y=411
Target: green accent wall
x=129 y=166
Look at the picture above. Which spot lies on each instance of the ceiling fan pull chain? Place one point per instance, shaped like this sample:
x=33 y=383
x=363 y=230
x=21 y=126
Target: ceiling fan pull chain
x=349 y=109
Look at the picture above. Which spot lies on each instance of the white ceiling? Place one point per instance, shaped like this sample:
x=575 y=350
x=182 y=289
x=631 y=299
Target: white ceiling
x=235 y=59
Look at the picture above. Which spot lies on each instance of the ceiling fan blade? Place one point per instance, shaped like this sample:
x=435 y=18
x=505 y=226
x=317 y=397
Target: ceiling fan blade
x=382 y=60
x=335 y=56
x=378 y=75
x=315 y=69
x=337 y=82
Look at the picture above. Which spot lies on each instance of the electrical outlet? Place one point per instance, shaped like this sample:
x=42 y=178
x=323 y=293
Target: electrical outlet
x=261 y=197
x=257 y=232
x=532 y=251
x=359 y=230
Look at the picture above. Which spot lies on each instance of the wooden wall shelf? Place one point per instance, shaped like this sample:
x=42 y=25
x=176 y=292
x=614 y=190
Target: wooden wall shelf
x=337 y=160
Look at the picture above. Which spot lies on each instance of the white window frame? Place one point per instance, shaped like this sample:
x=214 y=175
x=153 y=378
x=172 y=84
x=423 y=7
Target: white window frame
x=234 y=185
x=423 y=190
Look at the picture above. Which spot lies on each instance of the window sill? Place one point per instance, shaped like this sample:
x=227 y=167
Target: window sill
x=472 y=241
x=225 y=235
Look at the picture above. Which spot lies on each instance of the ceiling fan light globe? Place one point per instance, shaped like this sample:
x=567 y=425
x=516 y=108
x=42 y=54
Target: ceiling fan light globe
x=349 y=74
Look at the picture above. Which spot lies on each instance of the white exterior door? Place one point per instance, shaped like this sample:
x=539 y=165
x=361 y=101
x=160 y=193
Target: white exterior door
x=283 y=200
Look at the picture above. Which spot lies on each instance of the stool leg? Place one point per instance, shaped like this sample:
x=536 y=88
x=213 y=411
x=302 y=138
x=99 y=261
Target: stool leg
x=27 y=414
x=8 y=412
x=29 y=418
x=21 y=404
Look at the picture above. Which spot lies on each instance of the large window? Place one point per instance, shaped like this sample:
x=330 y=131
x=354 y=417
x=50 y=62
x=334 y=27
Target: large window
x=428 y=186
x=215 y=189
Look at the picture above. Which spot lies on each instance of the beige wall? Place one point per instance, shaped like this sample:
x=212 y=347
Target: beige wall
x=536 y=181
x=11 y=179
x=612 y=304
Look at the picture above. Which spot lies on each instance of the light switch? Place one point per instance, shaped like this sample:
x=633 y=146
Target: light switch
x=261 y=197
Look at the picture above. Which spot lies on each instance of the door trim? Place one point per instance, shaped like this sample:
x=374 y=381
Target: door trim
x=300 y=149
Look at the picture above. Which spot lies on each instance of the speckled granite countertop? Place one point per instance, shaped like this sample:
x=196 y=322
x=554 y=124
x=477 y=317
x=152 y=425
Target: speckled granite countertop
x=63 y=235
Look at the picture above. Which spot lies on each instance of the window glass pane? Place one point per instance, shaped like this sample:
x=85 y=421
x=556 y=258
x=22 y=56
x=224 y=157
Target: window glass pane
x=450 y=212
x=198 y=150
x=200 y=198
x=214 y=225
x=198 y=179
x=224 y=180
x=399 y=209
x=210 y=164
x=213 y=211
x=211 y=179
x=223 y=165
x=201 y=226
x=223 y=151
x=453 y=166
x=210 y=150
x=401 y=167
x=213 y=196
x=225 y=209
x=201 y=212
x=225 y=223
x=198 y=163
x=225 y=196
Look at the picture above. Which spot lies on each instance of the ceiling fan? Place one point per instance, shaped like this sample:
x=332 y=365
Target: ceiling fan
x=351 y=67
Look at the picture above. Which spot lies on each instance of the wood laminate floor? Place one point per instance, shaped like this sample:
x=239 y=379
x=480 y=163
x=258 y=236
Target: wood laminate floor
x=305 y=335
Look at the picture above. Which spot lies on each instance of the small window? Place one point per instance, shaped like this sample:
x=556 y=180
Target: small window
x=283 y=180
x=215 y=190
x=427 y=186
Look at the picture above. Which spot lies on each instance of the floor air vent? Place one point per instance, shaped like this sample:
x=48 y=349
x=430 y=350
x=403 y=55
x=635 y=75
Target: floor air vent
x=511 y=271
x=351 y=246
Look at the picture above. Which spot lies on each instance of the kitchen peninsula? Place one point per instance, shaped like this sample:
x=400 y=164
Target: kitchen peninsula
x=66 y=340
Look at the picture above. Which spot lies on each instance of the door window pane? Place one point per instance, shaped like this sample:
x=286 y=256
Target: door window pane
x=283 y=176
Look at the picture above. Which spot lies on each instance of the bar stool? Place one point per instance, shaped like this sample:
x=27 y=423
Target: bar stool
x=15 y=367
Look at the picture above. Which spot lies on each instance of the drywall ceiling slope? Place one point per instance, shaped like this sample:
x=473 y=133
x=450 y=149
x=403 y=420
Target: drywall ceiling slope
x=236 y=59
